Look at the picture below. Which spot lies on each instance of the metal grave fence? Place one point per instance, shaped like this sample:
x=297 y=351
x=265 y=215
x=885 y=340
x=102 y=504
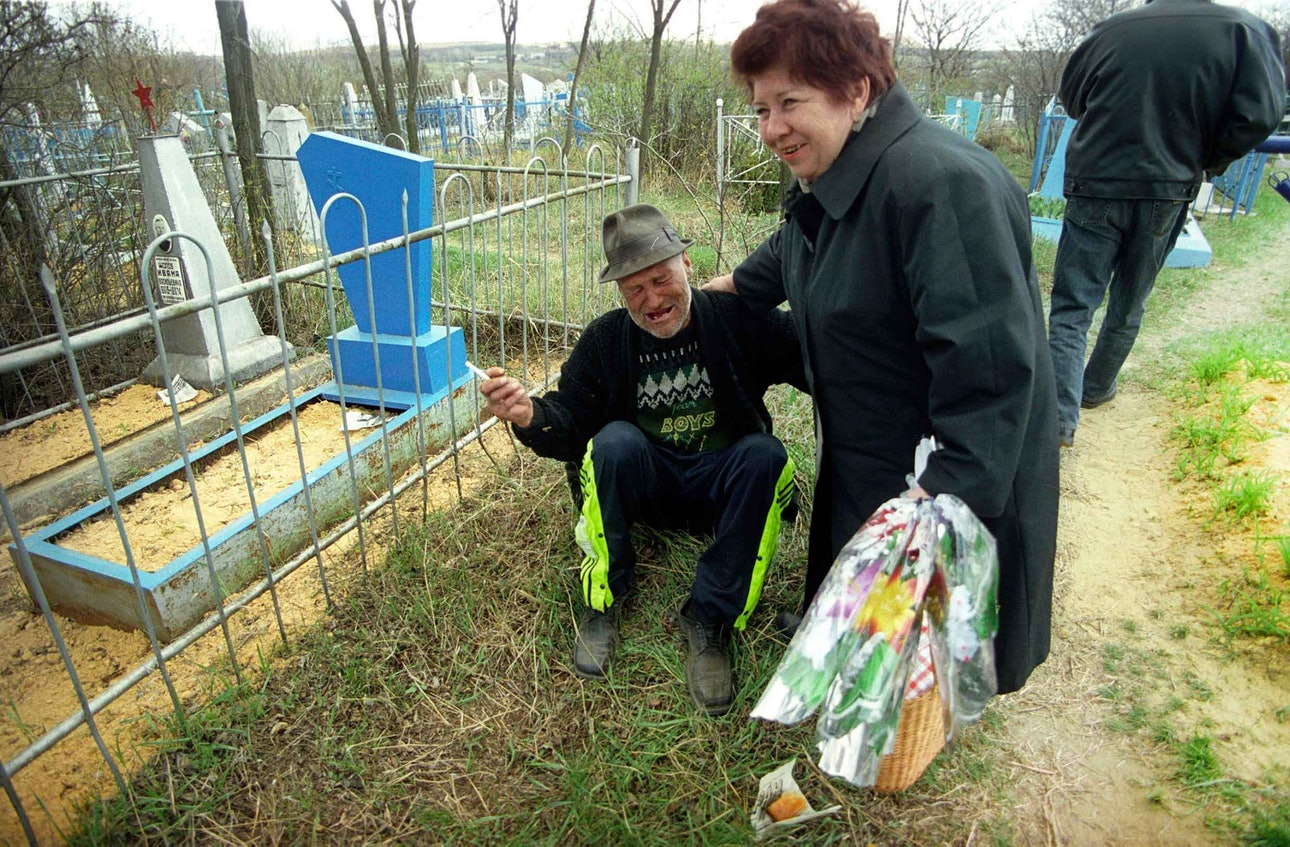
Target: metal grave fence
x=515 y=253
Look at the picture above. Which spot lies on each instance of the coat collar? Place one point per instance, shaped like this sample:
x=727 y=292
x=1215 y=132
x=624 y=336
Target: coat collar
x=839 y=186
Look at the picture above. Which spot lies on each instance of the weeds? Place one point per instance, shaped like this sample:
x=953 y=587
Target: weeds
x=1256 y=607
x=1245 y=495
x=1199 y=762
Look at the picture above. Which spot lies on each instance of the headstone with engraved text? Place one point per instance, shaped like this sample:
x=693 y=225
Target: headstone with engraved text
x=173 y=201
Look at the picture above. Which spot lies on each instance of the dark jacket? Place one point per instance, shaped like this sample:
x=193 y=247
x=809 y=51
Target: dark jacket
x=745 y=352
x=1165 y=93
x=919 y=313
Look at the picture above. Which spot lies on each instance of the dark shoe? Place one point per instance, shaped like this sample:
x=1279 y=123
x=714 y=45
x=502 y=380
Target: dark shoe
x=1094 y=402
x=708 y=676
x=786 y=623
x=594 y=645
x=1066 y=437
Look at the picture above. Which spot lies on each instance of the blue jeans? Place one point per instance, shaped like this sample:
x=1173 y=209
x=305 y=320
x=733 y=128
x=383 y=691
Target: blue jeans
x=1105 y=243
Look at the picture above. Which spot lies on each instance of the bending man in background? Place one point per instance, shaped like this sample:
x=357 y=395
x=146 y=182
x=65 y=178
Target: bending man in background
x=1164 y=94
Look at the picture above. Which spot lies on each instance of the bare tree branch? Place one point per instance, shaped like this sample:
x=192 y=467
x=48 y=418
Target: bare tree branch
x=383 y=119
x=577 y=72
x=509 y=10
x=661 y=20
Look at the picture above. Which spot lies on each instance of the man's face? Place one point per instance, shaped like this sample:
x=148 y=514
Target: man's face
x=658 y=297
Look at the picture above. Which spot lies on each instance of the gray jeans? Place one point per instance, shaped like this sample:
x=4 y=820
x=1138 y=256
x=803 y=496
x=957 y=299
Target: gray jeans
x=1106 y=245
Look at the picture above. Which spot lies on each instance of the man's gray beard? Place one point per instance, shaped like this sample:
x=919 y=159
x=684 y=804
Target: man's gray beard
x=689 y=302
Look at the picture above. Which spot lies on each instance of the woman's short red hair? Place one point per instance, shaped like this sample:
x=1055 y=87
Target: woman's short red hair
x=828 y=44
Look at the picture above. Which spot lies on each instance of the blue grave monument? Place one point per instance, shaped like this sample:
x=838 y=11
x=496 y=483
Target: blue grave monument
x=1191 y=250
x=334 y=164
x=968 y=112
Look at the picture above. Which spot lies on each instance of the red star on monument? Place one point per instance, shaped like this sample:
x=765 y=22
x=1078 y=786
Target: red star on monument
x=144 y=93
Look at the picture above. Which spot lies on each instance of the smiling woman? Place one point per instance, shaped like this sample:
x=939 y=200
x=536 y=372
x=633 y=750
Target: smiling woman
x=904 y=332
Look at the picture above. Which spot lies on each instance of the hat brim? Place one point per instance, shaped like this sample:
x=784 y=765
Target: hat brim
x=613 y=273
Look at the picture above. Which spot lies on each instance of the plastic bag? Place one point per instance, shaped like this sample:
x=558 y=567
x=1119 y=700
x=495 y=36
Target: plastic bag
x=852 y=655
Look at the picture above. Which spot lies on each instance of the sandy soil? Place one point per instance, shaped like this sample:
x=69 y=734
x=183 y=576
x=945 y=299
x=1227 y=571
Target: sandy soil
x=1140 y=561
x=1138 y=570
x=162 y=524
x=37 y=693
x=26 y=452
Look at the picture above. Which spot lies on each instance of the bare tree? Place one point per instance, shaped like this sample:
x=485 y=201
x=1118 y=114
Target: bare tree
x=387 y=70
x=36 y=53
x=1072 y=19
x=902 y=12
x=1039 y=53
x=509 y=10
x=950 y=32
x=386 y=123
x=1035 y=62
x=412 y=68
x=245 y=112
x=661 y=20
x=577 y=72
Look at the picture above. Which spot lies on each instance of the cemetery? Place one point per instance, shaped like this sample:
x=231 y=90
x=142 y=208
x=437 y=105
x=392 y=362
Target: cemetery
x=227 y=447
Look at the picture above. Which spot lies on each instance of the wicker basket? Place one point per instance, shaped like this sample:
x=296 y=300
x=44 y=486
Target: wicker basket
x=920 y=736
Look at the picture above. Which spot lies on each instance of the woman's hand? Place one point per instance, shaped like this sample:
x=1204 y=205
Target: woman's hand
x=917 y=493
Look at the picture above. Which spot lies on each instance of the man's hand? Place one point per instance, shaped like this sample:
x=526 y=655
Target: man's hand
x=507 y=398
x=724 y=283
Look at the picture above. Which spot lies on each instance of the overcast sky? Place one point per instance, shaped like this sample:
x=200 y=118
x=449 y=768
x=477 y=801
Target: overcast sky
x=191 y=23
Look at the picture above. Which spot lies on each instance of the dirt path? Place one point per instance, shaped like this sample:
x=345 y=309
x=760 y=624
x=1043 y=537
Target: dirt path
x=1138 y=573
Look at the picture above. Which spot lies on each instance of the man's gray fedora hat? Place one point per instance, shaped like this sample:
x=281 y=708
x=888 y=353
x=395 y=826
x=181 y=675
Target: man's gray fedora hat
x=637 y=237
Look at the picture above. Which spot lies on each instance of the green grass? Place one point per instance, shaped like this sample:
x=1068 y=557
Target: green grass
x=1199 y=763
x=1255 y=605
x=436 y=702
x=1214 y=435
x=1244 y=495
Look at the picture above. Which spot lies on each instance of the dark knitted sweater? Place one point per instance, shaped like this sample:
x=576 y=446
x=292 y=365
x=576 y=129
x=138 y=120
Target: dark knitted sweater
x=744 y=352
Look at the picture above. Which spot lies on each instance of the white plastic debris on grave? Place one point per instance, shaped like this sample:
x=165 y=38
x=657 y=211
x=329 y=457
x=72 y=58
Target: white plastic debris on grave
x=179 y=388
x=781 y=803
x=360 y=419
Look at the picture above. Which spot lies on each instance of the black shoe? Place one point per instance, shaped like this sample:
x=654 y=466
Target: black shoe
x=708 y=675
x=786 y=623
x=1066 y=437
x=1093 y=402
x=595 y=642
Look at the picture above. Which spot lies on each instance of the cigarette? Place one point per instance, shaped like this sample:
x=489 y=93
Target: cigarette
x=478 y=372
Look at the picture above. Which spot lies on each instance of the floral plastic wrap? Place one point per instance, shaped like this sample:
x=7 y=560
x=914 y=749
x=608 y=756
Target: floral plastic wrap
x=852 y=655
x=964 y=614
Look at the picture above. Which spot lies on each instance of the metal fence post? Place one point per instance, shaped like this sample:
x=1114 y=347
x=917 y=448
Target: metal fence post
x=634 y=171
x=721 y=147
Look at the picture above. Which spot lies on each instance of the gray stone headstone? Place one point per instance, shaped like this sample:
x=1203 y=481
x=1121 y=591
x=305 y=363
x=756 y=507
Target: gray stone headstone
x=284 y=132
x=173 y=200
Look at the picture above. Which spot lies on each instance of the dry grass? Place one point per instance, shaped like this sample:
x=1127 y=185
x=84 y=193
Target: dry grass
x=438 y=703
